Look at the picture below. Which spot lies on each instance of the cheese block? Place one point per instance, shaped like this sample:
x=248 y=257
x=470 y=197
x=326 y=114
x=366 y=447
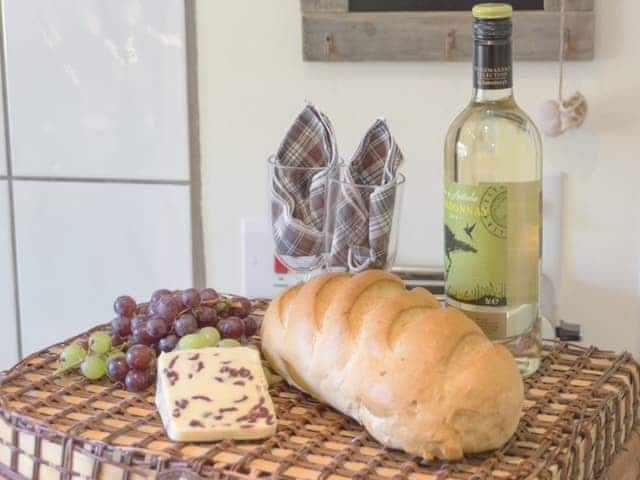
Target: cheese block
x=214 y=394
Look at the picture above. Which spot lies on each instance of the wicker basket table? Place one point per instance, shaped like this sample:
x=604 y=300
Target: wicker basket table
x=581 y=408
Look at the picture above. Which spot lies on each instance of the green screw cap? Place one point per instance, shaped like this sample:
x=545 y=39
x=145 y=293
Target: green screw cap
x=492 y=11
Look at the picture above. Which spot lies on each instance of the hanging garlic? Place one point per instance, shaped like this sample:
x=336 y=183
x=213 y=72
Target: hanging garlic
x=557 y=116
x=549 y=118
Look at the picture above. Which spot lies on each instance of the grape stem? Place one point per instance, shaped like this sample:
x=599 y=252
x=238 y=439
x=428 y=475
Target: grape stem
x=119 y=348
x=64 y=369
x=224 y=302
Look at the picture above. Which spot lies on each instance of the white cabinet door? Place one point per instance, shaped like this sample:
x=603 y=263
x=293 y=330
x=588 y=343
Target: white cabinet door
x=81 y=245
x=98 y=117
x=9 y=348
x=97 y=88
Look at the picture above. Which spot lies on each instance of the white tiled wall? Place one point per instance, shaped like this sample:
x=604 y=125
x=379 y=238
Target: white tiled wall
x=9 y=349
x=82 y=245
x=98 y=122
x=97 y=89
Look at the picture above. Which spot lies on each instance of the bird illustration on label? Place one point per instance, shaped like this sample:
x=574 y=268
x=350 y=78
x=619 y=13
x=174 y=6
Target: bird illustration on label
x=453 y=244
x=469 y=230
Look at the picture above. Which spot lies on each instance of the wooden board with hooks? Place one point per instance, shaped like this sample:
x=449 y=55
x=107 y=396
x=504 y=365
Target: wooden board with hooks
x=333 y=33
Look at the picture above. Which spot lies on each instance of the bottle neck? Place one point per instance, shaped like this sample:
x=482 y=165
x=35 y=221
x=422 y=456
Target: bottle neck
x=482 y=95
x=492 y=66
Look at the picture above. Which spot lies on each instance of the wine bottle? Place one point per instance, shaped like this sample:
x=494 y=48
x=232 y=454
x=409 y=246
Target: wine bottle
x=492 y=214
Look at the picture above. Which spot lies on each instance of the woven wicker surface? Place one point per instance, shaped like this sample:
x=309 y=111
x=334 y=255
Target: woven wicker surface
x=580 y=407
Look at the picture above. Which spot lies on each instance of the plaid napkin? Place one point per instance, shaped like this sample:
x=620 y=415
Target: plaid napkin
x=363 y=221
x=298 y=197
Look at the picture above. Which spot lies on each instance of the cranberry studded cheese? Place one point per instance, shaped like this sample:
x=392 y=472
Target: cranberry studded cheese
x=214 y=394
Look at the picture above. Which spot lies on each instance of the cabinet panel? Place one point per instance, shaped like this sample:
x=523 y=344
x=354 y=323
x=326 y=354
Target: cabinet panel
x=80 y=245
x=9 y=350
x=97 y=89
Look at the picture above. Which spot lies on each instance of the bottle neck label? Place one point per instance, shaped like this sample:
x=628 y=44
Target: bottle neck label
x=492 y=65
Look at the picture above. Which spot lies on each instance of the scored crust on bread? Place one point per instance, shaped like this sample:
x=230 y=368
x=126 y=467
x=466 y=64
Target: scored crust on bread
x=419 y=377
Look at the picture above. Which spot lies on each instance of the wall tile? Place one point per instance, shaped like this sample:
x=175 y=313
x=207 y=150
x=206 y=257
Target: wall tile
x=9 y=350
x=97 y=89
x=81 y=245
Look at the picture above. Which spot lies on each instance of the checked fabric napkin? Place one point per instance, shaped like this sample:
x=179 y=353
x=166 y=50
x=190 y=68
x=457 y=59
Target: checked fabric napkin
x=298 y=196
x=364 y=216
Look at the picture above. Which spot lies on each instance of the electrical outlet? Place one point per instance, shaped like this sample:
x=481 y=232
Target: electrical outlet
x=263 y=275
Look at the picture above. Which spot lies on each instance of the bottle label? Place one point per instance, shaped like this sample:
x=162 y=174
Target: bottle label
x=492 y=68
x=492 y=243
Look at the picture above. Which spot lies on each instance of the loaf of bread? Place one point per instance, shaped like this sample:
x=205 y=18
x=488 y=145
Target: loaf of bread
x=419 y=377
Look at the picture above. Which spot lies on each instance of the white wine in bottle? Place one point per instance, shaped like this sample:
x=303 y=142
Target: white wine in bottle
x=492 y=204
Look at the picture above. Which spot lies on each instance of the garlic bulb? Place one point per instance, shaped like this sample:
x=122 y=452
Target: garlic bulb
x=573 y=111
x=549 y=118
x=555 y=118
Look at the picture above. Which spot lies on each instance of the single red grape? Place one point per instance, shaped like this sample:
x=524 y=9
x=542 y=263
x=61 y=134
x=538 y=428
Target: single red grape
x=125 y=306
x=117 y=368
x=158 y=294
x=240 y=307
x=185 y=324
x=208 y=294
x=137 y=380
x=116 y=340
x=207 y=317
x=250 y=326
x=178 y=296
x=156 y=327
x=138 y=321
x=139 y=357
x=190 y=298
x=167 y=307
x=121 y=326
x=168 y=343
x=140 y=335
x=142 y=308
x=232 y=327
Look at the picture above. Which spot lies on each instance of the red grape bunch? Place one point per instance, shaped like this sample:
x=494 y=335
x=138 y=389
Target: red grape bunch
x=183 y=319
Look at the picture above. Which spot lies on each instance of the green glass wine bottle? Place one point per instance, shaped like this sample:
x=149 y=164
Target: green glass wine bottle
x=493 y=170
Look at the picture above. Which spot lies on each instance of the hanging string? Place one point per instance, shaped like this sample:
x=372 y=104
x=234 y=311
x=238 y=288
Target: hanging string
x=562 y=51
x=557 y=117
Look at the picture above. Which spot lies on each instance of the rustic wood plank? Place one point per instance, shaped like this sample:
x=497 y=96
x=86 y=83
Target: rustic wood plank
x=441 y=36
x=570 y=5
x=324 y=6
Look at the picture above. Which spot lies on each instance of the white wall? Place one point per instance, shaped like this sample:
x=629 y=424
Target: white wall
x=253 y=82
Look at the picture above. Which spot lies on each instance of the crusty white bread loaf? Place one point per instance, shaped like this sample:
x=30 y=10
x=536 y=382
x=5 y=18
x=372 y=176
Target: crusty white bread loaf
x=419 y=377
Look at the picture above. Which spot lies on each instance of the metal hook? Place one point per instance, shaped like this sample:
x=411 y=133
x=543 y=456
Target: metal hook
x=330 y=46
x=450 y=43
